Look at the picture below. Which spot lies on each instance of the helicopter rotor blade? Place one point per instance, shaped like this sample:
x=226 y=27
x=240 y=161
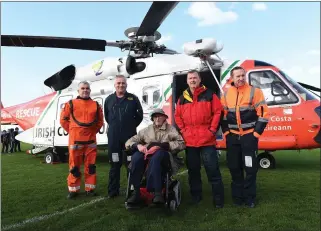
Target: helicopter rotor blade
x=53 y=42
x=310 y=87
x=155 y=16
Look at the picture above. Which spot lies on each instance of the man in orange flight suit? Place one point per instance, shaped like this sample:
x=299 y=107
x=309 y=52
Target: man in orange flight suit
x=245 y=118
x=82 y=118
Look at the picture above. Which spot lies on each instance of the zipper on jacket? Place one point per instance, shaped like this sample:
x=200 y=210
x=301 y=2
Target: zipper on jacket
x=237 y=97
x=119 y=119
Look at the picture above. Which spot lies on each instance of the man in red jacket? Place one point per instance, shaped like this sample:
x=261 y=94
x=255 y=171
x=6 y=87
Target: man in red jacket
x=197 y=115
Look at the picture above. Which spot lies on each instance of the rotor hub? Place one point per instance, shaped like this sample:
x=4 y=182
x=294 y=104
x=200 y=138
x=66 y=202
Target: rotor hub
x=131 y=34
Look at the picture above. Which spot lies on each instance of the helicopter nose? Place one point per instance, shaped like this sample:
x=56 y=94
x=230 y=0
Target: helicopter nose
x=317 y=138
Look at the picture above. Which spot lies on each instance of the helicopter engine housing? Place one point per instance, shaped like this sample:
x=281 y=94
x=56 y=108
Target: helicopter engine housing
x=106 y=68
x=206 y=46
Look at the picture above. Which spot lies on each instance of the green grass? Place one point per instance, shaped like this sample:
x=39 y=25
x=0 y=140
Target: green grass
x=289 y=199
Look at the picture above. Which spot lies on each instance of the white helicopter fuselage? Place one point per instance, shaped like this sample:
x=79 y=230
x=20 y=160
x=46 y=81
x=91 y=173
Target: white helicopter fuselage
x=152 y=86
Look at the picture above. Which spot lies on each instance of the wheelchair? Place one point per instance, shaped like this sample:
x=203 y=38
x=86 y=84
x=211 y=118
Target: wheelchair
x=171 y=189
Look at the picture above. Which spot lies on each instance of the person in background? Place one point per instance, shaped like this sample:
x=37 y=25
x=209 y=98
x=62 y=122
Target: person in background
x=5 y=139
x=16 y=142
x=12 y=139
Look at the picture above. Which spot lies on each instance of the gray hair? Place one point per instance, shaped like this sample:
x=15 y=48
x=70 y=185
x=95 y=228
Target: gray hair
x=84 y=82
x=121 y=76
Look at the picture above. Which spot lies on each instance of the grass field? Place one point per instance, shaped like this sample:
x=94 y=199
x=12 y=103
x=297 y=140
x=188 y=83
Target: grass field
x=34 y=198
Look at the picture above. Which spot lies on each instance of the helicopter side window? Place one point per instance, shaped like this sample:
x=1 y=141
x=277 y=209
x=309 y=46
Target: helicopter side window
x=61 y=103
x=274 y=90
x=151 y=96
x=156 y=96
x=145 y=98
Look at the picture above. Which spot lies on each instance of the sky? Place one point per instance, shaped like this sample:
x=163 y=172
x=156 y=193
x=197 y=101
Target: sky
x=285 y=34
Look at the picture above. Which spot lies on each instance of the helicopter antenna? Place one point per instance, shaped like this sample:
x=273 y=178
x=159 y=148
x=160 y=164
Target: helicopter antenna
x=205 y=58
x=203 y=49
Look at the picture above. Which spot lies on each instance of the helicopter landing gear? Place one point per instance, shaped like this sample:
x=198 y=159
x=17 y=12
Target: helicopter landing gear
x=56 y=155
x=51 y=157
x=266 y=160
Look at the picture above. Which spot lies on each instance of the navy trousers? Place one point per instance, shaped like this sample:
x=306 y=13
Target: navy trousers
x=241 y=156
x=210 y=160
x=154 y=173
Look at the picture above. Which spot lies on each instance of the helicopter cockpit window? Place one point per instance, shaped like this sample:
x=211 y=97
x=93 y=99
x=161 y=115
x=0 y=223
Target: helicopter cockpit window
x=151 y=95
x=306 y=95
x=274 y=90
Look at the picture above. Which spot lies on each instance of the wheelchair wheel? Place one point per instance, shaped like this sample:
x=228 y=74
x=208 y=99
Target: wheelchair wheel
x=177 y=193
x=173 y=205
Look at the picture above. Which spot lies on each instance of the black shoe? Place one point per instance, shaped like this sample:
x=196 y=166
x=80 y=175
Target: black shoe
x=219 y=206
x=238 y=202
x=158 y=199
x=72 y=195
x=218 y=202
x=112 y=195
x=250 y=205
x=134 y=198
x=91 y=193
x=196 y=200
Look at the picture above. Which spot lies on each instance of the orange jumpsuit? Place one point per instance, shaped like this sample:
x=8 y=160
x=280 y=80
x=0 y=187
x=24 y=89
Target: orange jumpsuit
x=82 y=119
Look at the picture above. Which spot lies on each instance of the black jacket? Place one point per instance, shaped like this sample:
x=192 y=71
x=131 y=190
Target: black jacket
x=123 y=117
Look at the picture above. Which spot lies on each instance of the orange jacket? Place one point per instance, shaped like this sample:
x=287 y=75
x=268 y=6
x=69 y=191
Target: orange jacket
x=245 y=110
x=82 y=119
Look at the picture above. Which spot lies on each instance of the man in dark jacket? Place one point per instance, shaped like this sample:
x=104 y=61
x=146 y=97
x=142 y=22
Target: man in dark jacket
x=123 y=113
x=16 y=142
x=197 y=115
x=5 y=139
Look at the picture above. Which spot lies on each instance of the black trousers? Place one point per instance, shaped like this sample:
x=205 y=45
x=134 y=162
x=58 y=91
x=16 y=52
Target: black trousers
x=17 y=146
x=115 y=154
x=5 y=147
x=242 y=156
x=210 y=160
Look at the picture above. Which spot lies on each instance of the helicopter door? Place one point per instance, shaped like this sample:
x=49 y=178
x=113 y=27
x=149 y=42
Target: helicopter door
x=61 y=136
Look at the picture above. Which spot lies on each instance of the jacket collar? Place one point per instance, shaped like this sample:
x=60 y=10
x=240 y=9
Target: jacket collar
x=246 y=85
x=78 y=97
x=125 y=95
x=188 y=94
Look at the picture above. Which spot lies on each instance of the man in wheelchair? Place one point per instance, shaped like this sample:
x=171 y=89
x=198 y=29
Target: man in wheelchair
x=158 y=142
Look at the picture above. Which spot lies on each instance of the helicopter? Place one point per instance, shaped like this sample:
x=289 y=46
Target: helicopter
x=157 y=76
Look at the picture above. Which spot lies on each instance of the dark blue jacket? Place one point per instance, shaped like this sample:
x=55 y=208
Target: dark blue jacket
x=123 y=117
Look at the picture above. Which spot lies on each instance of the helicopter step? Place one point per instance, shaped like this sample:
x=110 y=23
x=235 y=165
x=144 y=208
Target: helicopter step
x=266 y=160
